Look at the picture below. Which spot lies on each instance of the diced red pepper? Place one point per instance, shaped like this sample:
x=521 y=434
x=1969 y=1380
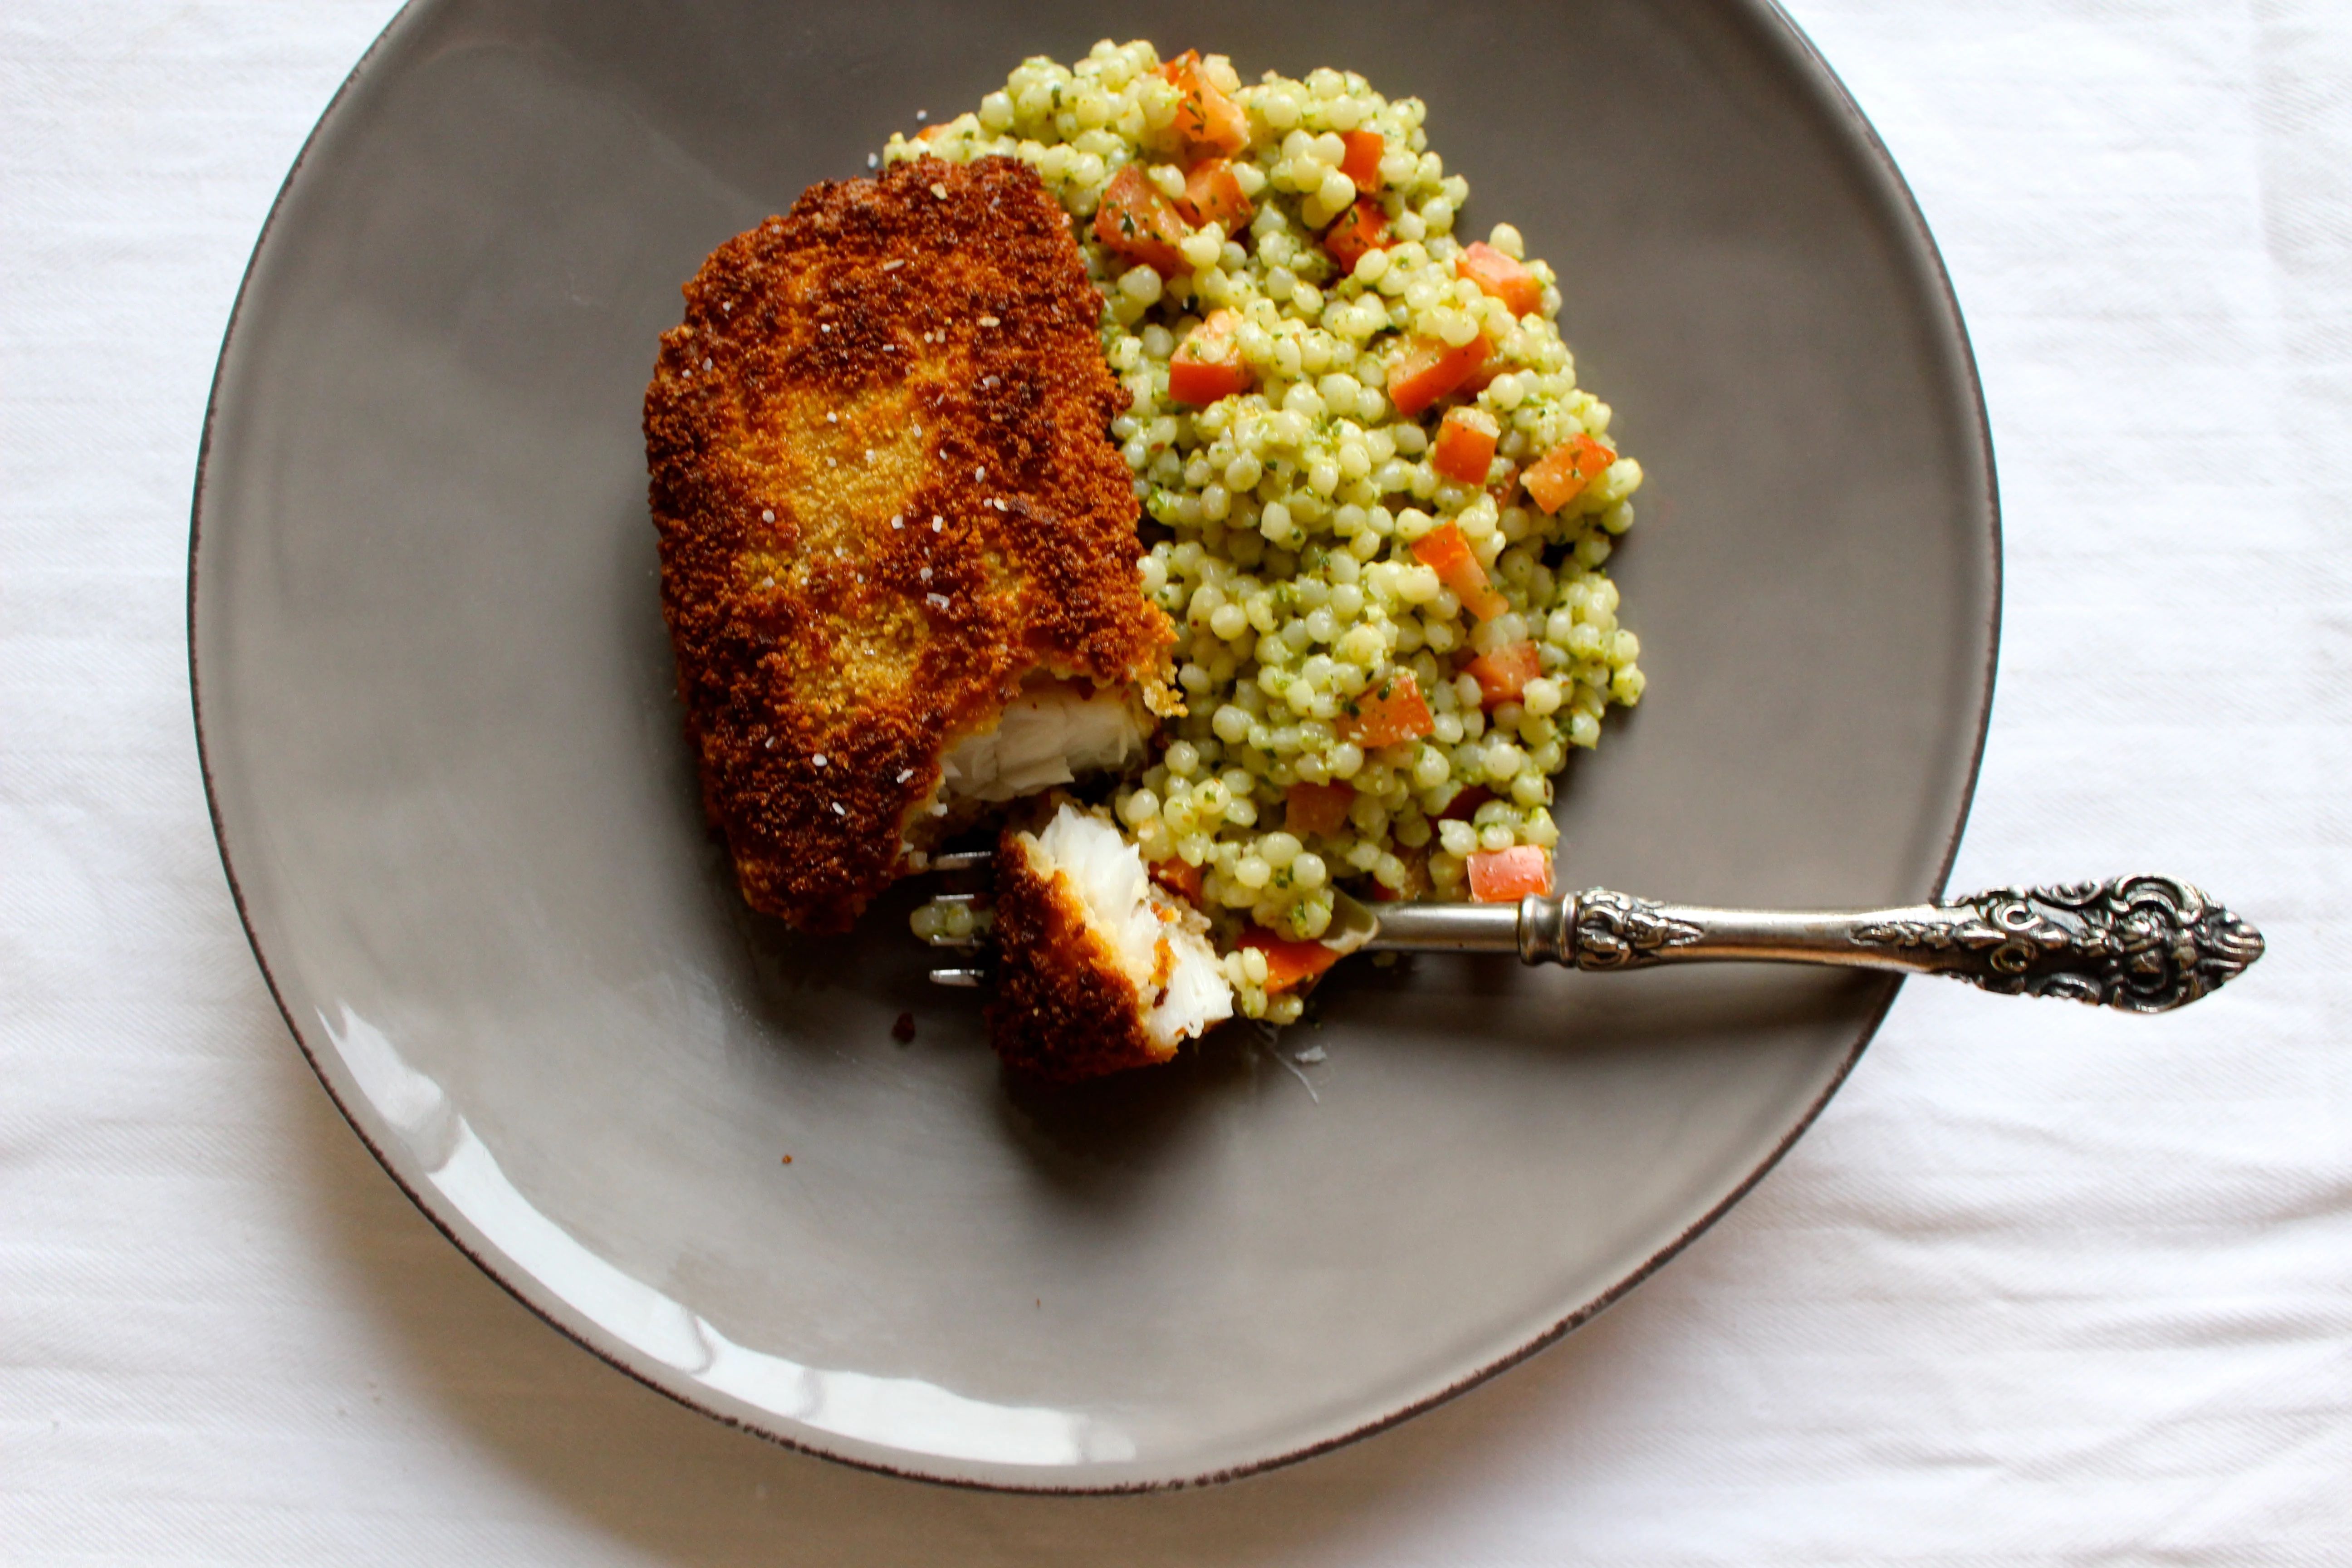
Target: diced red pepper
x=1213 y=195
x=1207 y=363
x=1444 y=551
x=1466 y=445
x=1362 y=164
x=1178 y=878
x=1392 y=711
x=1500 y=276
x=1287 y=962
x=1560 y=476
x=1317 y=809
x=1361 y=229
x=1507 y=876
x=1429 y=369
x=1503 y=674
x=1138 y=223
x=1206 y=118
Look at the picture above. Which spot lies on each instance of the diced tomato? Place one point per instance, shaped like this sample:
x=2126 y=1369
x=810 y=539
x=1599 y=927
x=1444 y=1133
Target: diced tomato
x=1429 y=369
x=1138 y=223
x=1213 y=194
x=1503 y=675
x=1416 y=882
x=1362 y=164
x=1444 y=551
x=1208 y=364
x=1507 y=876
x=1287 y=962
x=1465 y=803
x=1360 y=230
x=1561 y=474
x=1205 y=118
x=1466 y=445
x=1317 y=809
x=1391 y=711
x=1201 y=381
x=1178 y=878
x=1499 y=275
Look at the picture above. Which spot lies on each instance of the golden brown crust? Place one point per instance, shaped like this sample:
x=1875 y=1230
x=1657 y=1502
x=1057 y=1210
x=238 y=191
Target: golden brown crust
x=922 y=346
x=1063 y=1009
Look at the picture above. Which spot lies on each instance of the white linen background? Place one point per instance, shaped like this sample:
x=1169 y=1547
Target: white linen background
x=2043 y=1285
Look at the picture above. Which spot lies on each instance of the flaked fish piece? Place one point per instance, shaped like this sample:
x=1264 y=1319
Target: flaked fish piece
x=1098 y=967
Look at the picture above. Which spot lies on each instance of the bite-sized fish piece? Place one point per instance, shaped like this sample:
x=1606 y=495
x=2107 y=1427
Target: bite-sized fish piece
x=889 y=507
x=1099 y=968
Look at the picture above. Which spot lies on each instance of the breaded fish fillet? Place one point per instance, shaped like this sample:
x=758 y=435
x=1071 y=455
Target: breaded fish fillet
x=887 y=498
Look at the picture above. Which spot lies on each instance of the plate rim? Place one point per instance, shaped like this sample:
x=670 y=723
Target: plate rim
x=1771 y=23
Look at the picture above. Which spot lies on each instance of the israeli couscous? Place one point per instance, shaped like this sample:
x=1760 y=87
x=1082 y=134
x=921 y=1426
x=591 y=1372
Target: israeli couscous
x=1383 y=503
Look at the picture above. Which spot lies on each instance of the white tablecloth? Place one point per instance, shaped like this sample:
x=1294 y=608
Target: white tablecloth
x=2079 y=1291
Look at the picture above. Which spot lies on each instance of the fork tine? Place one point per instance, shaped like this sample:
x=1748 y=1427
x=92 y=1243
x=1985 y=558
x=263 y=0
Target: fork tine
x=976 y=936
x=962 y=861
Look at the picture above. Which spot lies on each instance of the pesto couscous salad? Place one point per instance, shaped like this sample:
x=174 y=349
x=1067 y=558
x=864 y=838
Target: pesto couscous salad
x=1377 y=504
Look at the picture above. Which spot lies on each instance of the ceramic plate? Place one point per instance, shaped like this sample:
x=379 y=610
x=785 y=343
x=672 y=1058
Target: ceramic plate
x=437 y=713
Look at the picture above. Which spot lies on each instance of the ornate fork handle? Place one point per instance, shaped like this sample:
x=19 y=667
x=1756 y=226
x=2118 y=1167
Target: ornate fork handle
x=2146 y=944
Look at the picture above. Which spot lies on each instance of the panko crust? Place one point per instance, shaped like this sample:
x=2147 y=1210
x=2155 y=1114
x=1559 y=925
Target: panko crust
x=1063 y=1009
x=920 y=347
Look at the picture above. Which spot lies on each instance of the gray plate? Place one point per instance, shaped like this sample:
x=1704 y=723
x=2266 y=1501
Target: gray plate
x=435 y=705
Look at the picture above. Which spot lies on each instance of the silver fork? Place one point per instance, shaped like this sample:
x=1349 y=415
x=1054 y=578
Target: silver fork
x=2145 y=944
